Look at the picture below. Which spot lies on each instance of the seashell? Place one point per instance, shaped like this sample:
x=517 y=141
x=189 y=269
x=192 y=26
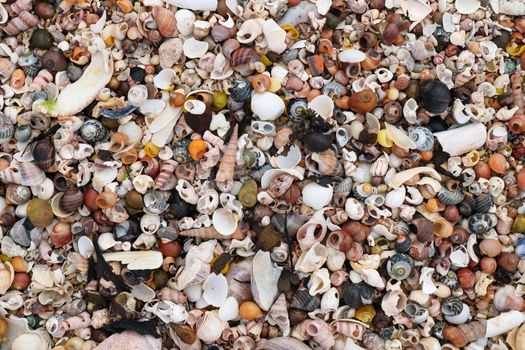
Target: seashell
x=166 y=21
x=278 y=315
x=129 y=339
x=320 y=331
x=363 y=101
x=71 y=200
x=448 y=197
x=241 y=59
x=479 y=223
x=215 y=289
x=260 y=103
x=312 y=259
x=95 y=77
x=302 y=300
x=229 y=310
x=350 y=328
x=240 y=91
x=399 y=266
x=170 y=51
x=352 y=56
x=264 y=280
x=27 y=174
x=317 y=196
x=423 y=138
x=281 y=343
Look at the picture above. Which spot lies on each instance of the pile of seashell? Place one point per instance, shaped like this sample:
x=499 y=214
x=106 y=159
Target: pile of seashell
x=262 y=174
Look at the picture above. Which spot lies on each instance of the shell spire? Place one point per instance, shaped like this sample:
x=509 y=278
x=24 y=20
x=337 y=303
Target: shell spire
x=224 y=176
x=167 y=169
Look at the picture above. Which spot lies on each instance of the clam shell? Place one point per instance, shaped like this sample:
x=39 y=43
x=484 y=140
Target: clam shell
x=194 y=48
x=215 y=289
x=264 y=280
x=323 y=105
x=267 y=105
x=467 y=7
x=225 y=221
x=352 y=56
x=317 y=196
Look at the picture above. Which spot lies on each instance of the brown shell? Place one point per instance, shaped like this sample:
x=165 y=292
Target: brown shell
x=6 y=67
x=241 y=58
x=44 y=154
x=72 y=199
x=508 y=261
x=422 y=227
x=166 y=21
x=364 y=101
x=356 y=230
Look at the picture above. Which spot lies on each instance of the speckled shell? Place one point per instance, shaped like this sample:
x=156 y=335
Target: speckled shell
x=450 y=279
x=240 y=91
x=18 y=194
x=479 y=223
x=180 y=151
x=6 y=127
x=44 y=154
x=399 y=266
x=423 y=138
x=451 y=306
x=451 y=197
x=93 y=131
x=248 y=193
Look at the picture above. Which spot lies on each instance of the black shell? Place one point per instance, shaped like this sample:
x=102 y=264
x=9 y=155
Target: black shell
x=54 y=60
x=435 y=96
x=483 y=203
x=448 y=197
x=467 y=206
x=317 y=142
x=41 y=39
x=479 y=223
x=44 y=154
x=302 y=300
x=199 y=123
x=117 y=114
x=33 y=69
x=240 y=91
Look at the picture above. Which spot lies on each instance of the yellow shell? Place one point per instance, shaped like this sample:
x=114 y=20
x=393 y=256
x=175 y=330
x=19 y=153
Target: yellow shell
x=365 y=314
x=151 y=149
x=250 y=311
x=383 y=139
x=514 y=50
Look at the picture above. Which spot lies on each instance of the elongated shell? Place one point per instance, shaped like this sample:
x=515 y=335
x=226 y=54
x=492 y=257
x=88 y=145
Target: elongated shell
x=27 y=174
x=224 y=176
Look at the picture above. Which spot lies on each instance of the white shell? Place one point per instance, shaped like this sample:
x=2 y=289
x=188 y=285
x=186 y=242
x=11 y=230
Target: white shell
x=85 y=246
x=317 y=196
x=164 y=78
x=210 y=327
x=215 y=289
x=269 y=175
x=137 y=260
x=31 y=341
x=463 y=139
x=372 y=278
x=185 y=19
x=319 y=282
x=330 y=300
x=395 y=198
x=322 y=105
x=193 y=292
x=229 y=310
x=267 y=105
x=264 y=280
x=354 y=209
x=290 y=161
x=352 y=56
x=312 y=259
x=417 y=9
x=461 y=318
x=194 y=48
x=467 y=7
x=225 y=221
x=275 y=36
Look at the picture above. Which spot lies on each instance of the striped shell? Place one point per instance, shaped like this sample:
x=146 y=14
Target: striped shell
x=448 y=197
x=27 y=174
x=167 y=169
x=399 y=266
x=344 y=186
x=479 y=223
x=423 y=138
x=22 y=22
x=72 y=199
x=483 y=203
x=44 y=154
x=224 y=177
x=452 y=306
x=241 y=59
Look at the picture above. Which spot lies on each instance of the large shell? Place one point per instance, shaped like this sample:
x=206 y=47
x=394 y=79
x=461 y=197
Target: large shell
x=166 y=21
x=264 y=280
x=27 y=174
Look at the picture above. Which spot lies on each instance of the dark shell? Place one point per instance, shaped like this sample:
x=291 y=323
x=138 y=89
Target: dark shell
x=32 y=69
x=423 y=138
x=451 y=197
x=155 y=202
x=287 y=281
x=479 y=223
x=467 y=206
x=393 y=112
x=128 y=230
x=452 y=306
x=199 y=123
x=352 y=295
x=117 y=114
x=168 y=233
x=41 y=39
x=44 y=154
x=483 y=203
x=302 y=300
x=179 y=208
x=240 y=91
x=54 y=60
x=93 y=131
x=450 y=279
x=403 y=244
x=442 y=37
x=437 y=329
x=297 y=110
x=72 y=199
x=422 y=227
x=399 y=266
x=317 y=142
x=268 y=238
x=180 y=151
x=435 y=96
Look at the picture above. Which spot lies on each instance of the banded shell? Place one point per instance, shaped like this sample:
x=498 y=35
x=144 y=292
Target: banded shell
x=448 y=197
x=44 y=154
x=7 y=128
x=483 y=203
x=423 y=138
x=452 y=306
x=399 y=266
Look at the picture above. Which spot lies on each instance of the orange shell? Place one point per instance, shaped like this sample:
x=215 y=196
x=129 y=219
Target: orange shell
x=364 y=101
x=106 y=199
x=250 y=311
x=197 y=149
x=261 y=83
x=498 y=163
x=18 y=79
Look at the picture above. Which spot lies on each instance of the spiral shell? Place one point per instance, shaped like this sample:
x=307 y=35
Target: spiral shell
x=423 y=138
x=240 y=91
x=448 y=197
x=22 y=22
x=399 y=266
x=479 y=223
x=44 y=154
